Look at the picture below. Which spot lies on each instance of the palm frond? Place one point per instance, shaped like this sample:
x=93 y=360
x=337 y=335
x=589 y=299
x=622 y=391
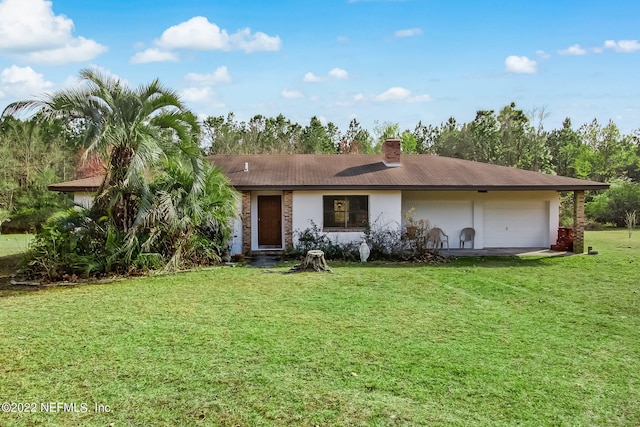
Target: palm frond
x=27 y=107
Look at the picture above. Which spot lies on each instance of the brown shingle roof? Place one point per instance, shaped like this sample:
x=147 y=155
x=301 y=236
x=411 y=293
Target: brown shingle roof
x=367 y=171
x=363 y=171
x=88 y=185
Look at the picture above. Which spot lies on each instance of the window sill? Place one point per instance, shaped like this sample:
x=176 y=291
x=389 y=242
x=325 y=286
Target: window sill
x=344 y=230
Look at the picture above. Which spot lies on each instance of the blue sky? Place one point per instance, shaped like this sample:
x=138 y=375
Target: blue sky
x=374 y=60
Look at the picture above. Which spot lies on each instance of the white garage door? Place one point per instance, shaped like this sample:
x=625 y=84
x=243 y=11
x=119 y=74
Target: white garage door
x=516 y=225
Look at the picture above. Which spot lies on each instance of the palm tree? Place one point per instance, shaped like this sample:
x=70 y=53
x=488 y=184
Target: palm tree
x=185 y=221
x=159 y=194
x=133 y=129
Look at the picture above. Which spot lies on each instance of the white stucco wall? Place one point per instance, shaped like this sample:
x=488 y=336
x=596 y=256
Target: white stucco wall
x=83 y=199
x=452 y=211
x=384 y=211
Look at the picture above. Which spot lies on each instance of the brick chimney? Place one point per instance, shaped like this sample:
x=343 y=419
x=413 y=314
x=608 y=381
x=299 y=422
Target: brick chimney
x=391 y=153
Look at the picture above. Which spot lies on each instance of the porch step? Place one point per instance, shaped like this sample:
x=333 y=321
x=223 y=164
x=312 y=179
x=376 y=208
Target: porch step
x=267 y=252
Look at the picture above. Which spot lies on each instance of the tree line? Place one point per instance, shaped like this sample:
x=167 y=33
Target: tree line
x=34 y=154
x=509 y=137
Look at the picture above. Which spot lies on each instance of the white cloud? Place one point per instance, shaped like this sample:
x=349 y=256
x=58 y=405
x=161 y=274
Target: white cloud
x=257 y=42
x=542 y=54
x=409 y=32
x=335 y=73
x=339 y=73
x=200 y=89
x=199 y=34
x=574 y=50
x=23 y=82
x=520 y=65
x=623 y=46
x=220 y=75
x=394 y=94
x=29 y=30
x=312 y=78
x=400 y=94
x=359 y=97
x=204 y=96
x=76 y=50
x=291 y=94
x=196 y=94
x=153 y=55
x=28 y=25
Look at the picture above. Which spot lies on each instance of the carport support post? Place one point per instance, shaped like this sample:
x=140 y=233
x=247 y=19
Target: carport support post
x=578 y=221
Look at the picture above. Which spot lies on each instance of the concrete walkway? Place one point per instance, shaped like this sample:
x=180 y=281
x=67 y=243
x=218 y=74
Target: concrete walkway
x=264 y=261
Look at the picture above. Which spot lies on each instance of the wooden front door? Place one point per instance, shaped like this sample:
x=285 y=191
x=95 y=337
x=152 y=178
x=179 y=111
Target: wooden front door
x=270 y=221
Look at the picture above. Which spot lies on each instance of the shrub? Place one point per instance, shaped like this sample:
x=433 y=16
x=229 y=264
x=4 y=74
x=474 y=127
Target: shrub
x=385 y=243
x=310 y=238
x=73 y=243
x=613 y=204
x=146 y=261
x=314 y=238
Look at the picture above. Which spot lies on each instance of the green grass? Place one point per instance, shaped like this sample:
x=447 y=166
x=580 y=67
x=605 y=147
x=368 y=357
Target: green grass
x=11 y=244
x=11 y=248
x=480 y=341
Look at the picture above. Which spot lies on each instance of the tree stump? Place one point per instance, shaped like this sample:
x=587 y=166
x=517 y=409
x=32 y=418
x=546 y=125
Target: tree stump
x=313 y=261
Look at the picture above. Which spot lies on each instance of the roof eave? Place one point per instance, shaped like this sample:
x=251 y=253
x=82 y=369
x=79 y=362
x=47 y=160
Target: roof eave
x=262 y=187
x=72 y=189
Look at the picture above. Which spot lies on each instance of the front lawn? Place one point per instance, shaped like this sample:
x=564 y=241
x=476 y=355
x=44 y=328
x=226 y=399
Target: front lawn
x=479 y=341
x=11 y=244
x=11 y=248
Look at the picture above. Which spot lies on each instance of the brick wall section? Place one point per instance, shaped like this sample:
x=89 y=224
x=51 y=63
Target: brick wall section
x=288 y=219
x=246 y=222
x=578 y=222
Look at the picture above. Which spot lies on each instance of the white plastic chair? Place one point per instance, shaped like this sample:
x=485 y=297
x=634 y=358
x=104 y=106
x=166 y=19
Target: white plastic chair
x=467 y=234
x=437 y=238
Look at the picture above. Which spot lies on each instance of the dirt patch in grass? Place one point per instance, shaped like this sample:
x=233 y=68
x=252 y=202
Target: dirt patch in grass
x=8 y=266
